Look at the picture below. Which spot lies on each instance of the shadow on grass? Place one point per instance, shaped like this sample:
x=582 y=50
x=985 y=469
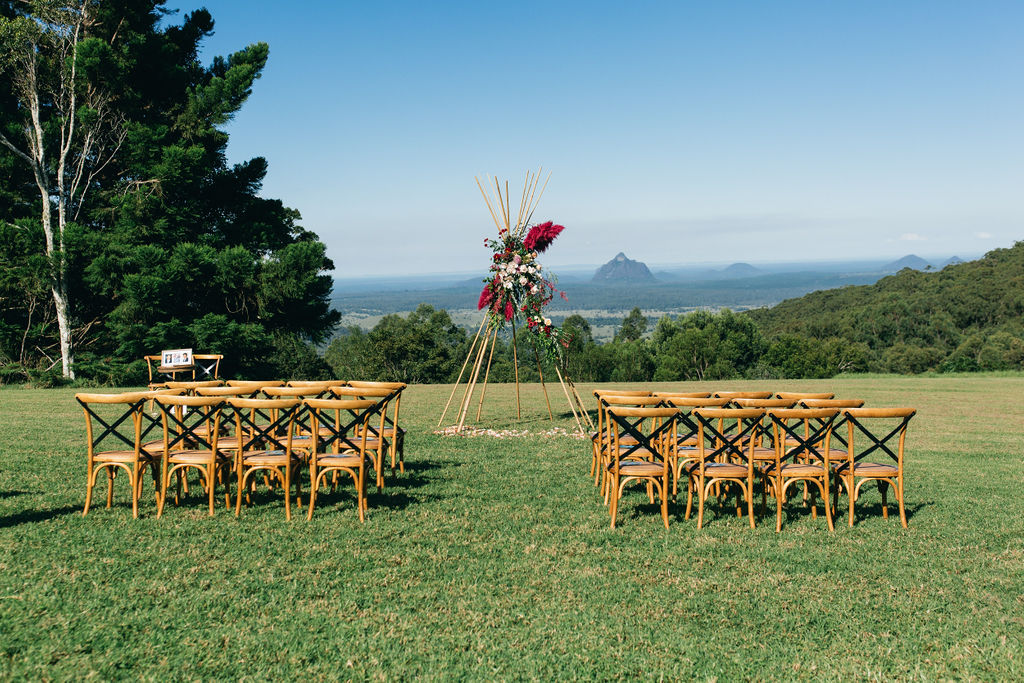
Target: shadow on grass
x=30 y=516
x=11 y=494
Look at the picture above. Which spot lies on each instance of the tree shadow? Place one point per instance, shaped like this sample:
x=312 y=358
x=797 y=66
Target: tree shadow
x=30 y=516
x=11 y=494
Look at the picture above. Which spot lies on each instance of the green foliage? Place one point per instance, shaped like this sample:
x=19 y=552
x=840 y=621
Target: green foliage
x=425 y=347
x=965 y=317
x=633 y=326
x=173 y=246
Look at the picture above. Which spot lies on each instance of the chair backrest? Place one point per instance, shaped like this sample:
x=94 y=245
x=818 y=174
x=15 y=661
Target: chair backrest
x=716 y=443
x=318 y=383
x=191 y=421
x=764 y=402
x=799 y=395
x=227 y=391
x=744 y=394
x=682 y=394
x=832 y=402
x=294 y=392
x=621 y=392
x=119 y=417
x=260 y=423
x=652 y=431
x=193 y=385
x=873 y=430
x=802 y=431
x=207 y=365
x=255 y=383
x=346 y=424
x=367 y=384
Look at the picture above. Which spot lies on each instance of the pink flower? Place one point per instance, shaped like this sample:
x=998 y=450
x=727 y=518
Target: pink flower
x=485 y=299
x=510 y=311
x=541 y=236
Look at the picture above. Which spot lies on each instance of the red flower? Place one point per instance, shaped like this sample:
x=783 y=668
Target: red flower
x=485 y=299
x=541 y=236
x=510 y=311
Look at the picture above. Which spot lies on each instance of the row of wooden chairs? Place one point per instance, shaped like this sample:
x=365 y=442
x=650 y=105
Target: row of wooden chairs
x=735 y=440
x=245 y=430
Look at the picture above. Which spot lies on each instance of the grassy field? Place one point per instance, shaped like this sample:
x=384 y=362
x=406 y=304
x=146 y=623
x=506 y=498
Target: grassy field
x=493 y=559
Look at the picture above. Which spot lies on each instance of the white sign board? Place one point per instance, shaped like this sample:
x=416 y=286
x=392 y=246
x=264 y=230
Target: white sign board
x=176 y=358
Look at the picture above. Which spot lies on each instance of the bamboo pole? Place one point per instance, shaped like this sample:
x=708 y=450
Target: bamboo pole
x=522 y=203
x=533 y=191
x=487 y=375
x=468 y=398
x=515 y=364
x=487 y=201
x=501 y=203
x=571 y=407
x=530 y=215
x=469 y=355
x=579 y=400
x=543 y=386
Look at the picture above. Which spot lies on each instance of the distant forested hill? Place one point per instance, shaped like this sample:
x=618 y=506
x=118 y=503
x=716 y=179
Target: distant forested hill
x=968 y=316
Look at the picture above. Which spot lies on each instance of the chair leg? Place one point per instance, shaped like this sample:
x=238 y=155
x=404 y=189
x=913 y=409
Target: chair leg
x=750 y=501
x=614 y=503
x=90 y=480
x=899 y=500
x=110 y=486
x=211 y=485
x=664 y=501
x=883 y=488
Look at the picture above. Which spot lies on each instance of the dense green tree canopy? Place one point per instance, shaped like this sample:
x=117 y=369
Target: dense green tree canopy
x=172 y=246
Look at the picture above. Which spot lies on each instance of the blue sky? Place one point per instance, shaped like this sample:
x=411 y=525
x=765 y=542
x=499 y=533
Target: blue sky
x=677 y=132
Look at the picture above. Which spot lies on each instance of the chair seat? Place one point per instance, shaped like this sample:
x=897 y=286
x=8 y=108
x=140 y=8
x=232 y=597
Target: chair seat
x=194 y=457
x=724 y=469
x=799 y=469
x=761 y=453
x=154 y=447
x=267 y=458
x=339 y=460
x=123 y=456
x=874 y=469
x=641 y=469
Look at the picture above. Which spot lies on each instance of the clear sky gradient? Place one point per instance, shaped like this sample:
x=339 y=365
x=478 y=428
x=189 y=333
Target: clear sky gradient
x=677 y=132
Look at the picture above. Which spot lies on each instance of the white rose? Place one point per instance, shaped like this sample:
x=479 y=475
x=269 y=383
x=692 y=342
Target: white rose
x=547 y=321
x=523 y=280
x=508 y=285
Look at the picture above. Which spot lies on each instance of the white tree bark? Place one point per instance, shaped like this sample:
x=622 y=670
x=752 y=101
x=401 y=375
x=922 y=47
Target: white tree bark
x=80 y=154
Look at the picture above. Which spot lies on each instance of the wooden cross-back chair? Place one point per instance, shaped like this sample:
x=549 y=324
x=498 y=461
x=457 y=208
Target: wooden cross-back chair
x=802 y=440
x=118 y=420
x=380 y=441
x=647 y=458
x=608 y=447
x=598 y=437
x=724 y=457
x=191 y=426
x=264 y=429
x=342 y=428
x=687 y=430
x=873 y=432
x=392 y=430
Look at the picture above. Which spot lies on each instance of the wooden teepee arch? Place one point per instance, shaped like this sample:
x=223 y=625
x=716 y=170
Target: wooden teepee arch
x=481 y=351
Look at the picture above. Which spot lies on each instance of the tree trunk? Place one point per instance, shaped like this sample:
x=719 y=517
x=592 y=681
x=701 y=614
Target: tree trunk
x=67 y=352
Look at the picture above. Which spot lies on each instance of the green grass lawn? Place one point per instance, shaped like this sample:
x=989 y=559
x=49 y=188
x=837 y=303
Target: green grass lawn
x=494 y=559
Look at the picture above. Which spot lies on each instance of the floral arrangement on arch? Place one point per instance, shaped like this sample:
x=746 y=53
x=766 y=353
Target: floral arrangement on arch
x=518 y=286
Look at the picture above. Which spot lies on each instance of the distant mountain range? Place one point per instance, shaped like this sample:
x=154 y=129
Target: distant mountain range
x=915 y=262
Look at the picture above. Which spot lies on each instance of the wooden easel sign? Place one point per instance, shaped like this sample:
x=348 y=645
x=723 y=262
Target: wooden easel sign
x=176 y=358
